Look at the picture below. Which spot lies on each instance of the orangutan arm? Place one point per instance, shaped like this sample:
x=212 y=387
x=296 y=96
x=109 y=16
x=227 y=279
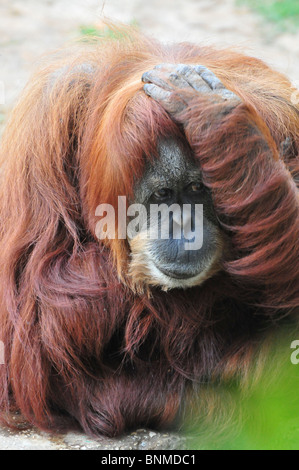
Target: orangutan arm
x=254 y=194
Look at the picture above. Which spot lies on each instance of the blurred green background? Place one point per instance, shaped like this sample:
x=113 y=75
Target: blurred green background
x=264 y=415
x=284 y=13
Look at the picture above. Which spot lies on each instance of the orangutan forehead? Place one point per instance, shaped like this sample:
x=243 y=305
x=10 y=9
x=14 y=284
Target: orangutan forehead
x=174 y=167
x=175 y=163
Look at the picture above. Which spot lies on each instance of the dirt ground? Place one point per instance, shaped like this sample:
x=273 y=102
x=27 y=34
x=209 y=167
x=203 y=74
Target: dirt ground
x=30 y=28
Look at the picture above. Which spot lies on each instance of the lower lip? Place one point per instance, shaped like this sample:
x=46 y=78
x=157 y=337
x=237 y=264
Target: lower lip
x=174 y=275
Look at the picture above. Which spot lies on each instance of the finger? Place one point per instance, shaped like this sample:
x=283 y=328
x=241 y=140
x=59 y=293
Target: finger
x=209 y=77
x=156 y=78
x=172 y=103
x=156 y=92
x=215 y=84
x=193 y=78
x=178 y=81
x=165 y=78
x=178 y=74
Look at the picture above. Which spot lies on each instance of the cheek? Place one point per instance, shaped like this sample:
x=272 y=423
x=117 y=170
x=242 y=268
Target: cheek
x=209 y=211
x=212 y=238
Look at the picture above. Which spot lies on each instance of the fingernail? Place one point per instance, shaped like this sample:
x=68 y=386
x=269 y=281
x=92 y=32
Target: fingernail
x=148 y=87
x=200 y=68
x=144 y=77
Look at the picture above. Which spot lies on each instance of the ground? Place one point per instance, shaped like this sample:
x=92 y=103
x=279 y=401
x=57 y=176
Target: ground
x=140 y=439
x=30 y=28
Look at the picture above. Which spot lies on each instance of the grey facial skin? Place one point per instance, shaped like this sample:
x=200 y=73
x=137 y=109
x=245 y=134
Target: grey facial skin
x=175 y=178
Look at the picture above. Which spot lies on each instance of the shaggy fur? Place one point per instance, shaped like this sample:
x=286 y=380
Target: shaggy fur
x=81 y=346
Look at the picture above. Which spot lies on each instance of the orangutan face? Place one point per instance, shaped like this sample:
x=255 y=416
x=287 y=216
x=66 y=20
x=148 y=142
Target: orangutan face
x=180 y=244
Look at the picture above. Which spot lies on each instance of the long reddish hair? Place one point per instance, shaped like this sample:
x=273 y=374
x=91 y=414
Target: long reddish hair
x=80 y=346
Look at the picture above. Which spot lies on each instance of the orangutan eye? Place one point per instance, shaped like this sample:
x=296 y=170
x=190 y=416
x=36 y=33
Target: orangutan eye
x=162 y=194
x=195 y=187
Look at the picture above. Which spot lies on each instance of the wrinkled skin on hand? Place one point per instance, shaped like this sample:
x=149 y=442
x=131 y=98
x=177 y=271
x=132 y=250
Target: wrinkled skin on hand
x=174 y=86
